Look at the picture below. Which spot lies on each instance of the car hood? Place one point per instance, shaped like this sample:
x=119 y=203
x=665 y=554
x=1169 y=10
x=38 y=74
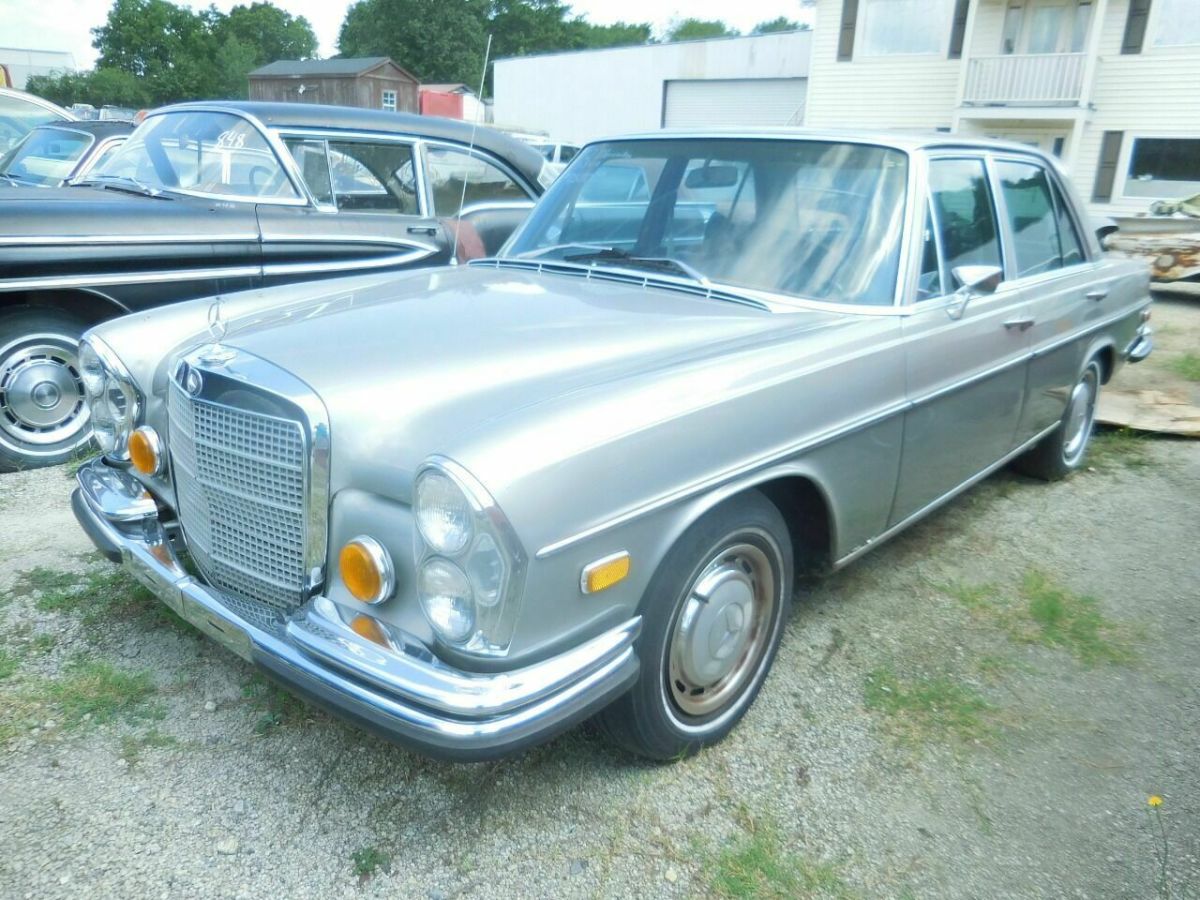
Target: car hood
x=430 y=361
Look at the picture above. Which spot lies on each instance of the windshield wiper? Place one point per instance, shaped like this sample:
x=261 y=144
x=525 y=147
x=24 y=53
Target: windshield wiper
x=127 y=184
x=629 y=261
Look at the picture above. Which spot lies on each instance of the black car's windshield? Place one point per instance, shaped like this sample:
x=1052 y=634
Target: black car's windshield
x=200 y=152
x=46 y=156
x=815 y=219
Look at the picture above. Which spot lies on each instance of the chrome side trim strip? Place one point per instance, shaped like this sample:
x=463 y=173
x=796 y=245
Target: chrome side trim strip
x=1084 y=332
x=16 y=284
x=949 y=495
x=350 y=265
x=698 y=487
x=977 y=377
x=103 y=240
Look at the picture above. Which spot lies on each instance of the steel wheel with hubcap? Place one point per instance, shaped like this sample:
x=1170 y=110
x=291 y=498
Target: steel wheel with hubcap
x=43 y=416
x=712 y=618
x=1063 y=450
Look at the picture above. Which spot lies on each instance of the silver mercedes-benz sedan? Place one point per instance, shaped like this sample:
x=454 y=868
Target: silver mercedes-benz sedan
x=470 y=506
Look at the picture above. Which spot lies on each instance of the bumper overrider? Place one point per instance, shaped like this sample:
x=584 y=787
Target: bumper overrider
x=402 y=691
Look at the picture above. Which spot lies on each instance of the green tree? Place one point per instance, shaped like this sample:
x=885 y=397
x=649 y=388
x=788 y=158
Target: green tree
x=781 y=24
x=268 y=33
x=437 y=40
x=99 y=87
x=695 y=29
x=618 y=34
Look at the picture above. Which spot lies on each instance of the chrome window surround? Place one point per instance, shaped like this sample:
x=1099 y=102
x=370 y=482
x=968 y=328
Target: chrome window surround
x=484 y=506
x=265 y=377
x=97 y=152
x=282 y=156
x=503 y=166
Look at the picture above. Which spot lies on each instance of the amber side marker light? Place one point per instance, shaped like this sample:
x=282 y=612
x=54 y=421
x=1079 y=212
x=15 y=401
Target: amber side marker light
x=366 y=570
x=604 y=573
x=145 y=451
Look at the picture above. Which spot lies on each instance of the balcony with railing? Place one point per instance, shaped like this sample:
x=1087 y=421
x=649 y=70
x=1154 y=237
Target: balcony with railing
x=1025 y=79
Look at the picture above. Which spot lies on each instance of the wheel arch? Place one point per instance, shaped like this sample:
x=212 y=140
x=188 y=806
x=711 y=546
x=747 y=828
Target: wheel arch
x=90 y=305
x=1103 y=349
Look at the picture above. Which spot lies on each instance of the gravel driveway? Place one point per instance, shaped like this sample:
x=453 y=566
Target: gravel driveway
x=980 y=708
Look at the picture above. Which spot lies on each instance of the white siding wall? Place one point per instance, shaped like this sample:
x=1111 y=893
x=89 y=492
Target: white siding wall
x=590 y=94
x=913 y=93
x=1155 y=93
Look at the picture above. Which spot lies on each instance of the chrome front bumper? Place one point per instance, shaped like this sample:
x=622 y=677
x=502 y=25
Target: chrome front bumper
x=401 y=691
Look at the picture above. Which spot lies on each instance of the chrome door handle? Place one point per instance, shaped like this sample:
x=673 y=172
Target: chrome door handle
x=422 y=229
x=1097 y=295
x=1021 y=324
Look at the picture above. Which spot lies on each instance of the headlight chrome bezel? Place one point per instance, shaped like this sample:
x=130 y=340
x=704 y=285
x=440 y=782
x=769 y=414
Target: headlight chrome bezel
x=112 y=378
x=495 y=612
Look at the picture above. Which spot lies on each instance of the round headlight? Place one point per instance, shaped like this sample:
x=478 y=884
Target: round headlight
x=447 y=600
x=91 y=370
x=443 y=514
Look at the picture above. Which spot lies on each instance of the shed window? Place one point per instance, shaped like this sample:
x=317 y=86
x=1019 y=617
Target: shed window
x=1178 y=23
x=1164 y=168
x=389 y=101
x=911 y=27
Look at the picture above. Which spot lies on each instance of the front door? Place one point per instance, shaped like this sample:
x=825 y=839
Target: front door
x=370 y=214
x=966 y=370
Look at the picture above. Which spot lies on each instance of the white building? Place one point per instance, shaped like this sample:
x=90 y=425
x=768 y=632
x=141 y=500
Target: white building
x=21 y=63
x=723 y=82
x=1111 y=86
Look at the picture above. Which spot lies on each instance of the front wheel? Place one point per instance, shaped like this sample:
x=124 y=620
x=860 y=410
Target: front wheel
x=712 y=620
x=43 y=416
x=1063 y=450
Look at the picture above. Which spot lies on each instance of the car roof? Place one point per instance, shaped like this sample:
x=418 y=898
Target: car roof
x=37 y=101
x=347 y=118
x=100 y=128
x=901 y=140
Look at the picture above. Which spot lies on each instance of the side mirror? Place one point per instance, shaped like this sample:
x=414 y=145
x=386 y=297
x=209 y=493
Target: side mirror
x=973 y=281
x=712 y=177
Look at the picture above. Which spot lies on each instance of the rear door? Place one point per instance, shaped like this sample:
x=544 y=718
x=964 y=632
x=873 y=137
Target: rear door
x=367 y=211
x=966 y=372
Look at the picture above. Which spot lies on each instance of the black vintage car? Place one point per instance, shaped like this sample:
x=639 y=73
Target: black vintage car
x=211 y=198
x=53 y=154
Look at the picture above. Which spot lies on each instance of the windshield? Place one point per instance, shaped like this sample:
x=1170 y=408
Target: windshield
x=814 y=219
x=46 y=156
x=202 y=153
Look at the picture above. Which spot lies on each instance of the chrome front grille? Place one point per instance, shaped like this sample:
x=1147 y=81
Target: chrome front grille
x=242 y=484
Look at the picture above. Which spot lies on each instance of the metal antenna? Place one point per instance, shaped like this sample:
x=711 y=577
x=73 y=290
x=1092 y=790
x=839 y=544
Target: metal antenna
x=462 y=201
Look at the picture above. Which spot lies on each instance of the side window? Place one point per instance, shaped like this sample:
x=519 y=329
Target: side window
x=566 y=153
x=313 y=161
x=930 y=282
x=369 y=177
x=963 y=210
x=1031 y=217
x=1072 y=247
x=451 y=171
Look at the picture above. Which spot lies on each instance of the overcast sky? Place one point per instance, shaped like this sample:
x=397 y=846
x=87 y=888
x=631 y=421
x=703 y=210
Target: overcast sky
x=66 y=24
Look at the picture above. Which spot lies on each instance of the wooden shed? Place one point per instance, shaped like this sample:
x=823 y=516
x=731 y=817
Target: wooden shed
x=372 y=82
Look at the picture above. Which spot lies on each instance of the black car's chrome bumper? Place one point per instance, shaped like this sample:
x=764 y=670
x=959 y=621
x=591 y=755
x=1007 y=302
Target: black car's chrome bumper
x=401 y=690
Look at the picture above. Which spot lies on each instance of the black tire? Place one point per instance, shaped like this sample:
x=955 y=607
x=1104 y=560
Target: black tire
x=727 y=547
x=1064 y=450
x=43 y=418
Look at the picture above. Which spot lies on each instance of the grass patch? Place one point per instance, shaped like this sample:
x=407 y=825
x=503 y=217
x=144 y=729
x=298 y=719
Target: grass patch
x=1058 y=617
x=929 y=708
x=1119 y=448
x=133 y=745
x=78 y=460
x=758 y=865
x=1187 y=365
x=8 y=664
x=368 y=861
x=101 y=596
x=279 y=708
x=94 y=690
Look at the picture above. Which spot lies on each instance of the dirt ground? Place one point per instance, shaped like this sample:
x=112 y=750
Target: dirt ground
x=981 y=708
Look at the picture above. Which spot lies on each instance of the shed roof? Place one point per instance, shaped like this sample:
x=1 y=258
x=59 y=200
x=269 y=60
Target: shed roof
x=338 y=67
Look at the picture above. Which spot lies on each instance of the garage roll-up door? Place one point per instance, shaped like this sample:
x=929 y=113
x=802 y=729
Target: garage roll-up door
x=725 y=103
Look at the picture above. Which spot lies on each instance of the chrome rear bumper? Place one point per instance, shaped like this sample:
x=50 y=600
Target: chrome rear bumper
x=401 y=690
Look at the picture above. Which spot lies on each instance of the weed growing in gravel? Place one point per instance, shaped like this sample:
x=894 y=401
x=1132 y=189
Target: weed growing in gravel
x=8 y=664
x=279 y=708
x=1119 y=448
x=1188 y=365
x=133 y=745
x=926 y=708
x=94 y=690
x=369 y=861
x=1061 y=618
x=78 y=459
x=758 y=865
x=41 y=579
x=102 y=596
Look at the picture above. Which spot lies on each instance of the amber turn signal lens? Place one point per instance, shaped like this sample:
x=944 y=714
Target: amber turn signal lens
x=366 y=570
x=604 y=573
x=145 y=450
x=365 y=626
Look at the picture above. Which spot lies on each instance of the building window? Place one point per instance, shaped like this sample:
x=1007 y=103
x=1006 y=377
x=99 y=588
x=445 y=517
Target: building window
x=1178 y=23
x=389 y=101
x=1164 y=168
x=904 y=27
